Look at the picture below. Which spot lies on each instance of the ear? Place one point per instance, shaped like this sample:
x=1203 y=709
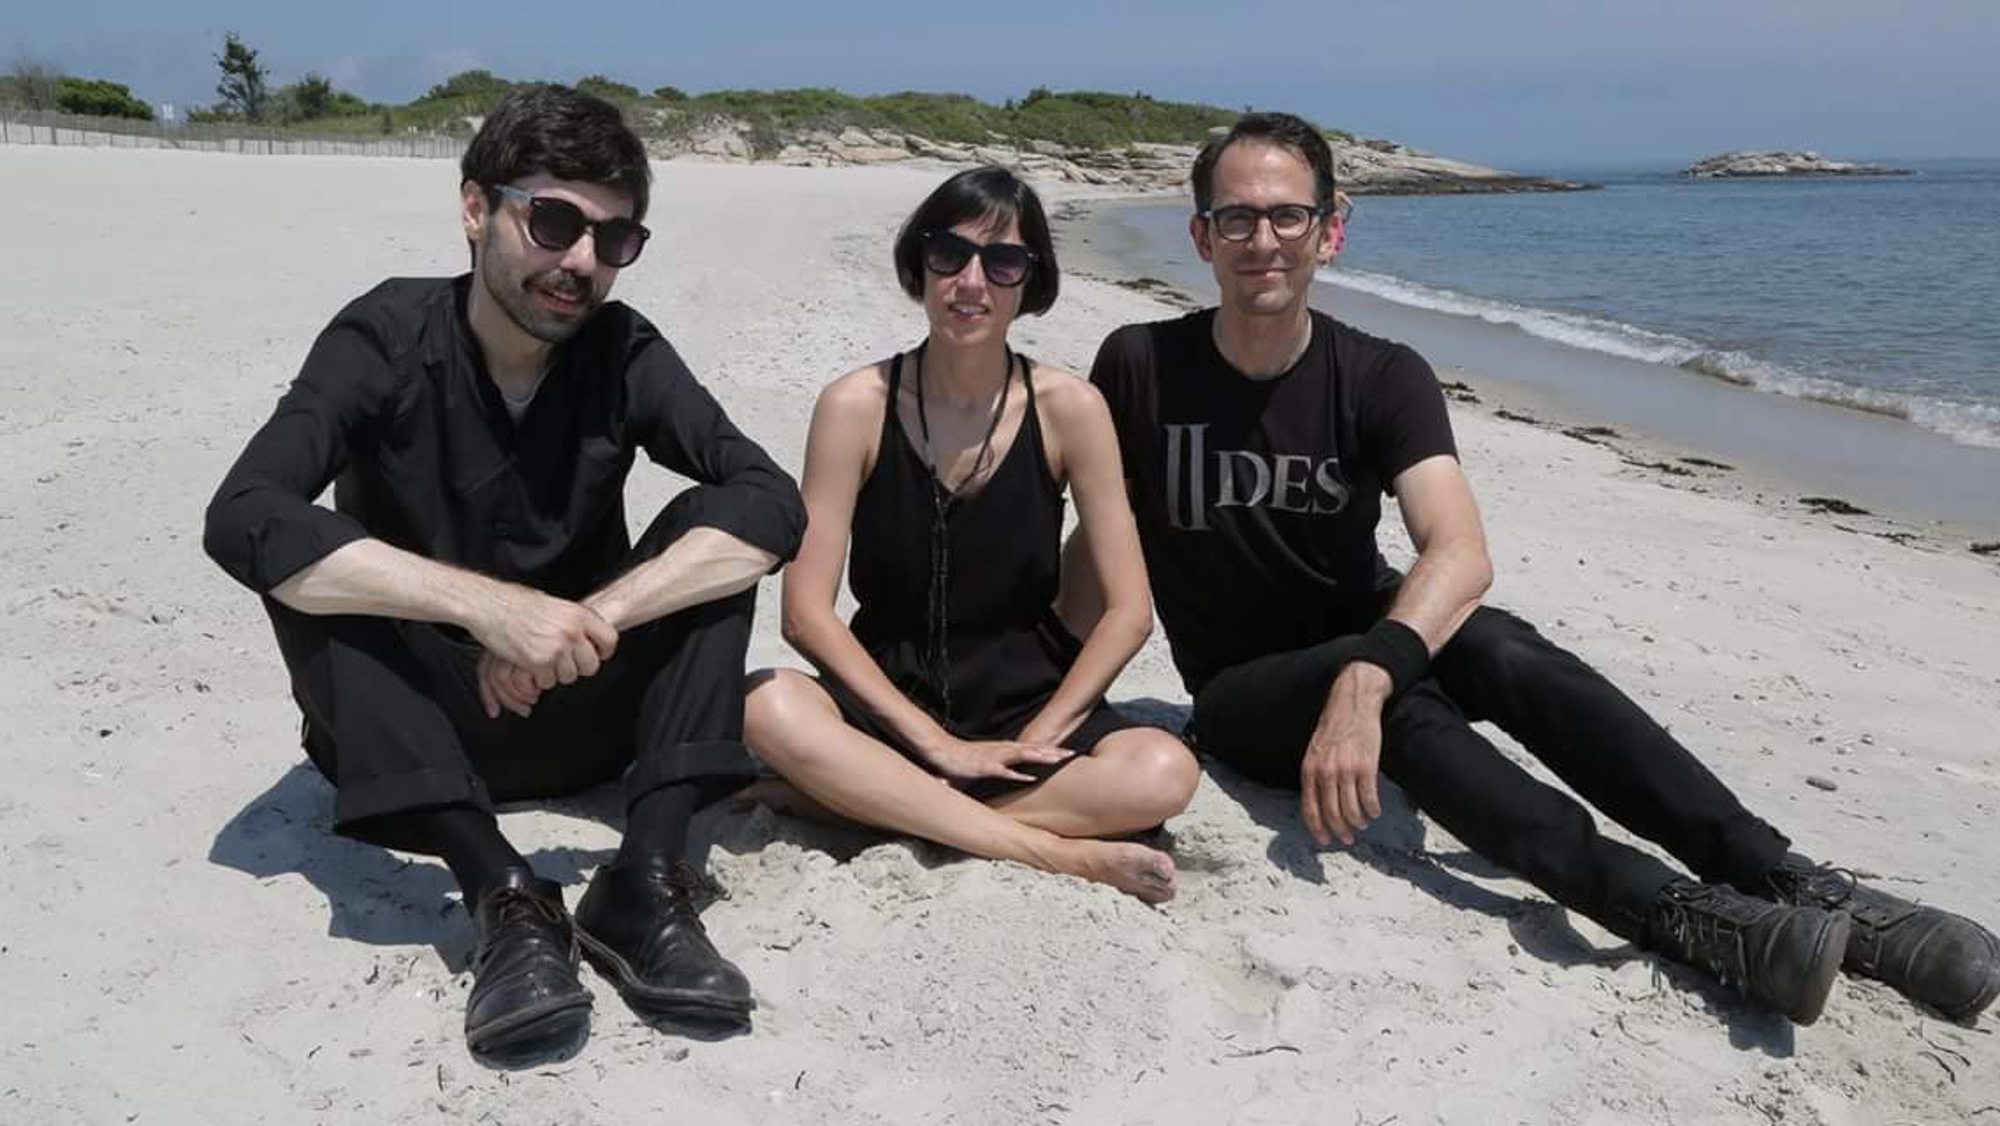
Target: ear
x=473 y=211
x=1332 y=239
x=1198 y=231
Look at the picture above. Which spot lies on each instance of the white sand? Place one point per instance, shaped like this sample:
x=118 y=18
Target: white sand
x=187 y=942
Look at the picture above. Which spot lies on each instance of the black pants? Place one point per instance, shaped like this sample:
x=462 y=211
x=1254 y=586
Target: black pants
x=1258 y=716
x=393 y=717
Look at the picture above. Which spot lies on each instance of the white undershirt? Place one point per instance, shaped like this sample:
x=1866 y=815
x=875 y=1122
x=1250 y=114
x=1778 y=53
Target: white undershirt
x=517 y=408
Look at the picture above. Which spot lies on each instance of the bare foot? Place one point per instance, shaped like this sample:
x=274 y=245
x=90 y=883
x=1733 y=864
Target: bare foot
x=1131 y=868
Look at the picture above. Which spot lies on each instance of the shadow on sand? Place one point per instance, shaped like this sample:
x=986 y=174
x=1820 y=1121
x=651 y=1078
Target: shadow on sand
x=373 y=895
x=1395 y=845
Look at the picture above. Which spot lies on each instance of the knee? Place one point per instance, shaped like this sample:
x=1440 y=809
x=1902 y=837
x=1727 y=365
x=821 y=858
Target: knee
x=776 y=706
x=1160 y=774
x=1497 y=647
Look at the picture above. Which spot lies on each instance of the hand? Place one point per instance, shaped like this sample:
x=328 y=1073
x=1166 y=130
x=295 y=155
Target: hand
x=552 y=640
x=502 y=685
x=1337 y=778
x=963 y=761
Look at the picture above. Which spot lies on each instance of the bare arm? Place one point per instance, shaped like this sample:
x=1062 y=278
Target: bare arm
x=552 y=640
x=701 y=566
x=1451 y=574
x=844 y=425
x=1122 y=612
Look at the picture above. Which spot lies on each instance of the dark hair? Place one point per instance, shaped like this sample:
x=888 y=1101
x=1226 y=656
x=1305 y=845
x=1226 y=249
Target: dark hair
x=565 y=133
x=997 y=196
x=1281 y=129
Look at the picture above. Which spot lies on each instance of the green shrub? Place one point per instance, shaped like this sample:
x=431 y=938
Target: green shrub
x=602 y=87
x=97 y=97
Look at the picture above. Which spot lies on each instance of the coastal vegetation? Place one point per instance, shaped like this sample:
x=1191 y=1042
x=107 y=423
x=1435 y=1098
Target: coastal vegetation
x=768 y=119
x=1133 y=140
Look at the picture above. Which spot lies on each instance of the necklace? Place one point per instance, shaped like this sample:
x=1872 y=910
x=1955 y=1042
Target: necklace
x=979 y=460
x=937 y=611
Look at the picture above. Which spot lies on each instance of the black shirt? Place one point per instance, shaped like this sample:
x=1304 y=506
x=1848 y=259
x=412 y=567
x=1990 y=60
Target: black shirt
x=1257 y=499
x=395 y=401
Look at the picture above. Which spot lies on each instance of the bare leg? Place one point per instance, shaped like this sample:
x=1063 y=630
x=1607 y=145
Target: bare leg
x=794 y=726
x=783 y=797
x=1133 y=780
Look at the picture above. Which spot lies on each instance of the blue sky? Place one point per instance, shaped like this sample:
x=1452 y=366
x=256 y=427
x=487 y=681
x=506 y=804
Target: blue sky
x=1528 y=86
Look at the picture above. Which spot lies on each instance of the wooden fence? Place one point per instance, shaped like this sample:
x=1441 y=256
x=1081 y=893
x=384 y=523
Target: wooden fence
x=33 y=127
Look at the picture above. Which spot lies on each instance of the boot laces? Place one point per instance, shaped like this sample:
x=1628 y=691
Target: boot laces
x=1821 y=885
x=692 y=886
x=519 y=905
x=1705 y=937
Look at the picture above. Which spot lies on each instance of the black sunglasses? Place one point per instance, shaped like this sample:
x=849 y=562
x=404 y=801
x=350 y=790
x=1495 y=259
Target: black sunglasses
x=556 y=224
x=1005 y=264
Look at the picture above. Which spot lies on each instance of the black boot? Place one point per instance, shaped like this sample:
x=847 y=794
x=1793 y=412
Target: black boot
x=1930 y=955
x=1783 y=957
x=641 y=929
x=526 y=999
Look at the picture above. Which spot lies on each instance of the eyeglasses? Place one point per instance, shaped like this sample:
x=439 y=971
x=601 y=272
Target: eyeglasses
x=1005 y=264
x=1289 y=221
x=556 y=224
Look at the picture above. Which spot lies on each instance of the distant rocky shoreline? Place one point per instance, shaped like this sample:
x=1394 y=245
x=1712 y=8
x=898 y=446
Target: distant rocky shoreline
x=1774 y=162
x=1367 y=167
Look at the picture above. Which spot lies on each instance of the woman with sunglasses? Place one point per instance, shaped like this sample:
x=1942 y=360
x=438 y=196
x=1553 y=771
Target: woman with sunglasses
x=956 y=706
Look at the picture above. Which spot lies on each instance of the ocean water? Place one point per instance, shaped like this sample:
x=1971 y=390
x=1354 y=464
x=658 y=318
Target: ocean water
x=1881 y=293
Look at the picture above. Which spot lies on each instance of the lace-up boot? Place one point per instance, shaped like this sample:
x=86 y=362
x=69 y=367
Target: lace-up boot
x=526 y=999
x=1928 y=954
x=641 y=929
x=1780 y=956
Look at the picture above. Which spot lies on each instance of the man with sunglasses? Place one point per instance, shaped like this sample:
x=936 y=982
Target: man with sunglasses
x=471 y=623
x=1259 y=438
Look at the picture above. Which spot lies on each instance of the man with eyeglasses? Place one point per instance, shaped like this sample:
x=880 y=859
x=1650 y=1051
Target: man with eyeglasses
x=1259 y=438
x=471 y=623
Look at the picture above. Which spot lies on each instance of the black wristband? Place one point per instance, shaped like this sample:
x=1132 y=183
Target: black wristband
x=1398 y=650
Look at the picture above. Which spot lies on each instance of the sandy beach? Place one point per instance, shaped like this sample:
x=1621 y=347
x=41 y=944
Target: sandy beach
x=188 y=943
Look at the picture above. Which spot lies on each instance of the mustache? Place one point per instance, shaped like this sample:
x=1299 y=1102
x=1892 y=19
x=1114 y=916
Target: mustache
x=562 y=283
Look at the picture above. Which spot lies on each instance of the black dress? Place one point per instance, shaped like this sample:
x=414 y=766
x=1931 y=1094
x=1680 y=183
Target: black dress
x=957 y=593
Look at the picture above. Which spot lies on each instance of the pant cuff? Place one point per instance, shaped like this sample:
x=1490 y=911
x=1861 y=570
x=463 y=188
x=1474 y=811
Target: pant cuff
x=715 y=759
x=368 y=809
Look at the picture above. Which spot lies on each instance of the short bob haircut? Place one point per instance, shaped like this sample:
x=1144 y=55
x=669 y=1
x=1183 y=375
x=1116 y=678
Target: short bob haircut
x=1281 y=129
x=995 y=196
x=566 y=133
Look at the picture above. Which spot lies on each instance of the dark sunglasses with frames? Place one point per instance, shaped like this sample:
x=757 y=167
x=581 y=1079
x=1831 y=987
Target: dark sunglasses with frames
x=556 y=224
x=1005 y=264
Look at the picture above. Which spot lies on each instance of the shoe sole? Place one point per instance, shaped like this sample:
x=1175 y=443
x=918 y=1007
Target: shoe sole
x=535 y=1030
x=1831 y=950
x=653 y=1001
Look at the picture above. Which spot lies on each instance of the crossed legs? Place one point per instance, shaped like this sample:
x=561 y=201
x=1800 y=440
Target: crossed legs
x=1134 y=780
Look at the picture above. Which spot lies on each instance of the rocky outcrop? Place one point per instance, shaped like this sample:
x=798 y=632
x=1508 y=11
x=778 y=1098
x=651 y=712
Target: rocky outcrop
x=1773 y=162
x=1374 y=167
x=1366 y=167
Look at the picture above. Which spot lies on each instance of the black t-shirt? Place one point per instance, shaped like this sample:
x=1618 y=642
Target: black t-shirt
x=394 y=401
x=1257 y=499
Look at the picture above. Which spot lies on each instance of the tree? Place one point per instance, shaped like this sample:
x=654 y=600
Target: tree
x=671 y=94
x=482 y=85
x=611 y=91
x=100 y=98
x=33 y=84
x=242 y=86
x=312 y=96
